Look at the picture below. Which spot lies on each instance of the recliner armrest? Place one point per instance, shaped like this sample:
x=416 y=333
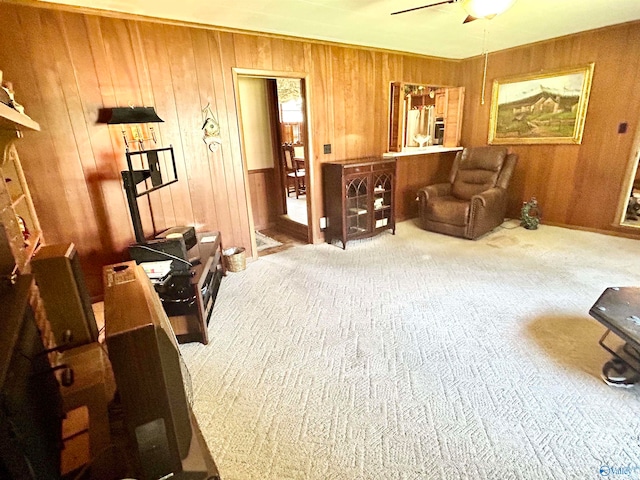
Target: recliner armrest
x=435 y=190
x=490 y=197
x=487 y=211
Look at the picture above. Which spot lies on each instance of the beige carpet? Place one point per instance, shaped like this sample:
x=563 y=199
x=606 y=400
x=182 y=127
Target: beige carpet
x=419 y=356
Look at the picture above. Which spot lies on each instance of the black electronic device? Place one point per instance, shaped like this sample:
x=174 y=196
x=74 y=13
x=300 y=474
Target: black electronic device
x=66 y=299
x=187 y=232
x=173 y=249
x=438 y=131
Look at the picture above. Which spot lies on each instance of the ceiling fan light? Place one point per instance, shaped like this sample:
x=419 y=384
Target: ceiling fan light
x=486 y=8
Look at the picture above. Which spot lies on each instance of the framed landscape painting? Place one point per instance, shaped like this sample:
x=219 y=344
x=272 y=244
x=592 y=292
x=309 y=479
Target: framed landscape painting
x=548 y=107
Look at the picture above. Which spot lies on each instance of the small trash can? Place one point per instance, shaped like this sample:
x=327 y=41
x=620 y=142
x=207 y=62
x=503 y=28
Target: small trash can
x=235 y=259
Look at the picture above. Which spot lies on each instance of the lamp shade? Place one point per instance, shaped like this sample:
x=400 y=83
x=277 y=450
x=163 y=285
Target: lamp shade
x=486 y=8
x=120 y=115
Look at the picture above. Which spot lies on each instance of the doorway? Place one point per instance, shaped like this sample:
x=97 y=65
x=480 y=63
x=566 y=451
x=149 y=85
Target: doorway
x=290 y=128
x=275 y=148
x=629 y=205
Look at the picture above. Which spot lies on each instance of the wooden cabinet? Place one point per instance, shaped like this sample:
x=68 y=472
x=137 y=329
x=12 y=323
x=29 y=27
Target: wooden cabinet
x=359 y=198
x=17 y=214
x=188 y=296
x=453 y=117
x=441 y=102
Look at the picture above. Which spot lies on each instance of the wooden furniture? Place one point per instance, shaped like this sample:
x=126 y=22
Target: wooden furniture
x=31 y=412
x=188 y=296
x=618 y=309
x=359 y=198
x=28 y=330
x=17 y=212
x=441 y=102
x=294 y=176
x=93 y=388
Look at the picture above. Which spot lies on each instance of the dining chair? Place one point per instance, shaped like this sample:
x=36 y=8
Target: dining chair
x=295 y=177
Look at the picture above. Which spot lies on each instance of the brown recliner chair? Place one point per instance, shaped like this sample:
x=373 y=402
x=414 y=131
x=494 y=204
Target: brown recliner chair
x=474 y=201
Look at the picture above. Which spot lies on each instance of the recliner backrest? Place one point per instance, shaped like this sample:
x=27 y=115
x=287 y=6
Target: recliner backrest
x=476 y=170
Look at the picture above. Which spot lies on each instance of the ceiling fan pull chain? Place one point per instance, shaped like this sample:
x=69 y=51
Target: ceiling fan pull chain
x=486 y=61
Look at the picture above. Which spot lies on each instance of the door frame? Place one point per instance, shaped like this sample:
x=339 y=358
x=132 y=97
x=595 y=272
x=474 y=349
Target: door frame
x=308 y=146
x=633 y=165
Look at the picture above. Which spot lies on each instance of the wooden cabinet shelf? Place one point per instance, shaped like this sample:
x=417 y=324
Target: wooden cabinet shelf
x=188 y=296
x=359 y=198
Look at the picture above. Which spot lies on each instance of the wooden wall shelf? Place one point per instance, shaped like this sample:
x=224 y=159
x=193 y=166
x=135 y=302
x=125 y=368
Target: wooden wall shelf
x=11 y=119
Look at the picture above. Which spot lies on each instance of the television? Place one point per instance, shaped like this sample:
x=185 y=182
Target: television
x=152 y=381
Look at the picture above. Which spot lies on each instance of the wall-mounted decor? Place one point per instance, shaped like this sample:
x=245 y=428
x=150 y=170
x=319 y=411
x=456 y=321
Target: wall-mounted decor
x=210 y=129
x=547 y=107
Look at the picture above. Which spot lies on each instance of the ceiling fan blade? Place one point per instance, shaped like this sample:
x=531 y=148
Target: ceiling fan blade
x=424 y=6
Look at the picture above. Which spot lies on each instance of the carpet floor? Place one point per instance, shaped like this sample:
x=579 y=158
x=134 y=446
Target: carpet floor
x=419 y=356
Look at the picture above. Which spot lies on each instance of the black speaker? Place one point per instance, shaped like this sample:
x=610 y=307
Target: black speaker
x=188 y=233
x=64 y=293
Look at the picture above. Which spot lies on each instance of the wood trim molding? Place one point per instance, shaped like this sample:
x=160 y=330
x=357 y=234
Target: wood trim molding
x=311 y=167
x=260 y=170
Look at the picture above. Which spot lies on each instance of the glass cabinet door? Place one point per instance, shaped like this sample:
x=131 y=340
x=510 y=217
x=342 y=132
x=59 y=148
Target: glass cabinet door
x=382 y=198
x=357 y=211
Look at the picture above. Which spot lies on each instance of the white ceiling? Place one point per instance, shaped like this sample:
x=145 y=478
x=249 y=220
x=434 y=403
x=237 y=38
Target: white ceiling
x=436 y=31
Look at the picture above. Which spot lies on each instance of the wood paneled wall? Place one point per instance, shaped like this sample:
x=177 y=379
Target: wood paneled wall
x=415 y=172
x=576 y=185
x=66 y=65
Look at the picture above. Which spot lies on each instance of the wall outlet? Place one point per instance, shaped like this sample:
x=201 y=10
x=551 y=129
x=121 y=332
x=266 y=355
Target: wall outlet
x=327 y=148
x=323 y=223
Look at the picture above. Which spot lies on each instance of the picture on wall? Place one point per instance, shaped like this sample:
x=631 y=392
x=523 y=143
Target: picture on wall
x=548 y=107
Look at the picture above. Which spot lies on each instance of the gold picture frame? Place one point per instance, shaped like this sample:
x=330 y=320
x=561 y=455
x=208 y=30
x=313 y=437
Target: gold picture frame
x=547 y=107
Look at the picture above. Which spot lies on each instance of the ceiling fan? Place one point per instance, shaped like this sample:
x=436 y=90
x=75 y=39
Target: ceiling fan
x=475 y=8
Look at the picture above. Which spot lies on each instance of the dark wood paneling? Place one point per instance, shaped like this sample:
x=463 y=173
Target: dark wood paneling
x=264 y=197
x=576 y=185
